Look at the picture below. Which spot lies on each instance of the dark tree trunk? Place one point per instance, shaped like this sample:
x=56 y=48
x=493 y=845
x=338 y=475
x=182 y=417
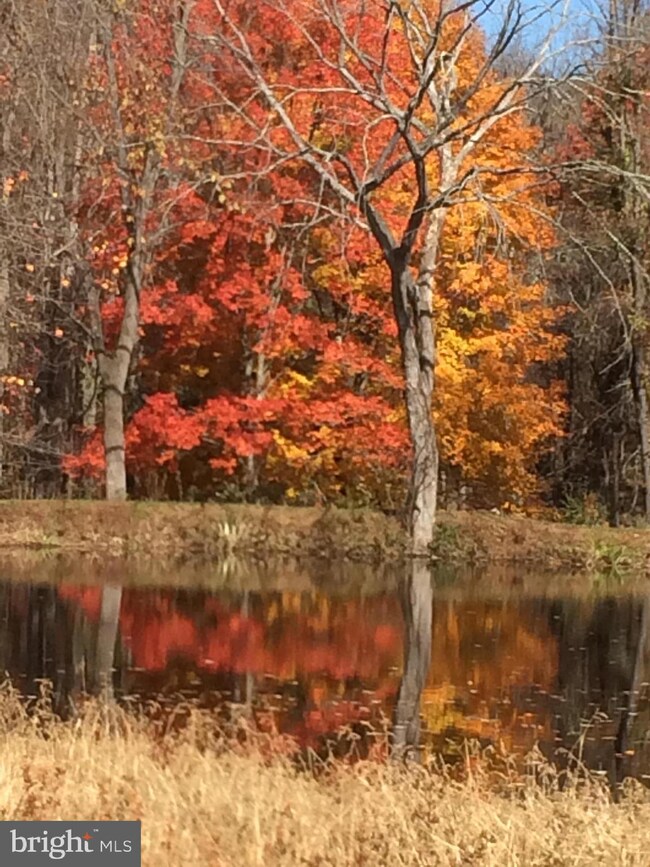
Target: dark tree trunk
x=615 y=482
x=640 y=380
x=632 y=698
x=640 y=389
x=4 y=353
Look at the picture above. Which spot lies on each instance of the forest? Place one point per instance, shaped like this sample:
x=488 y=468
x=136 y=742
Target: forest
x=327 y=251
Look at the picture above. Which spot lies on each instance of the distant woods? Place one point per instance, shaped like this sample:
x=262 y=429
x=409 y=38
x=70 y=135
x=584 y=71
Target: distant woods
x=386 y=254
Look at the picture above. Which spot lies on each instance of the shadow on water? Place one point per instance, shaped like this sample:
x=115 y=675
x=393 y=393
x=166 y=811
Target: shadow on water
x=442 y=662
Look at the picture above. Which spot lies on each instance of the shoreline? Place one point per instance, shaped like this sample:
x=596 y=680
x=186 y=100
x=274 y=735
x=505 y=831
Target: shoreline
x=329 y=535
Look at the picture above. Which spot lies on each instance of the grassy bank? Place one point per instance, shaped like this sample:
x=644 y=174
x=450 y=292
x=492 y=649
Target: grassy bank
x=215 y=530
x=204 y=800
x=194 y=529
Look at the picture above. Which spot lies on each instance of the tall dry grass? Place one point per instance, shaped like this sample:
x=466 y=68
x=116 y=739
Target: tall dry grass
x=207 y=799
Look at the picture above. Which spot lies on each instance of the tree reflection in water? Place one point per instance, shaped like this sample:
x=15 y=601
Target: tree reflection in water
x=441 y=664
x=417 y=606
x=106 y=641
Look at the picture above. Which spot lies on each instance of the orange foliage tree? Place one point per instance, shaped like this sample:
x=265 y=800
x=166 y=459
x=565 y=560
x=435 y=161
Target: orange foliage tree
x=281 y=348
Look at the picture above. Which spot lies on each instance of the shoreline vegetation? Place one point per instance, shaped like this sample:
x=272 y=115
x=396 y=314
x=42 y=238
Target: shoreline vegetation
x=211 y=797
x=215 y=531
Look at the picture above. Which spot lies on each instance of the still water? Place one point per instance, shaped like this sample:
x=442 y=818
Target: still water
x=440 y=665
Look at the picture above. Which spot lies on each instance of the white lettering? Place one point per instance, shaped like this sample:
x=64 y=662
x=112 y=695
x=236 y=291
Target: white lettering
x=58 y=847
x=15 y=839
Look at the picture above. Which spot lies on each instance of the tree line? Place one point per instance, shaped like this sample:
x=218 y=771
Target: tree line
x=323 y=251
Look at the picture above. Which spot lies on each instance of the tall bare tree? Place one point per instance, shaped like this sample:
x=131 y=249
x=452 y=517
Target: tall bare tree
x=40 y=170
x=432 y=123
x=135 y=146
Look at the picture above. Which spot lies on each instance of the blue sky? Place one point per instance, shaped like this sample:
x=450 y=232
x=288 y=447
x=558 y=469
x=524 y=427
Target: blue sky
x=575 y=24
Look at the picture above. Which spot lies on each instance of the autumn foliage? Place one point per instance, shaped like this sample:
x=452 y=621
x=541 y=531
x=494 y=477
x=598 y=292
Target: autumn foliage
x=317 y=664
x=268 y=365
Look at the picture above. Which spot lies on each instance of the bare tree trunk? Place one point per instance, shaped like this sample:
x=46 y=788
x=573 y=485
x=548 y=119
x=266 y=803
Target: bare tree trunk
x=114 y=369
x=413 y=313
x=639 y=383
x=430 y=125
x=615 y=482
x=114 y=443
x=424 y=477
x=89 y=377
x=635 y=209
x=639 y=365
x=114 y=366
x=4 y=351
x=417 y=604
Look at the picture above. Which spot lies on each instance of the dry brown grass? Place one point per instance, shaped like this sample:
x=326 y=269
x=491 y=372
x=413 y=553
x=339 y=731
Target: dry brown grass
x=206 y=800
x=213 y=529
x=179 y=532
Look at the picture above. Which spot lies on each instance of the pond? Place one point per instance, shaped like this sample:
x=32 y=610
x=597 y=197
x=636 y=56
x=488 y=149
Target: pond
x=440 y=661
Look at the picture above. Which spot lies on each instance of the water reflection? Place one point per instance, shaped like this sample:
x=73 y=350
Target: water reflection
x=564 y=673
x=417 y=609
